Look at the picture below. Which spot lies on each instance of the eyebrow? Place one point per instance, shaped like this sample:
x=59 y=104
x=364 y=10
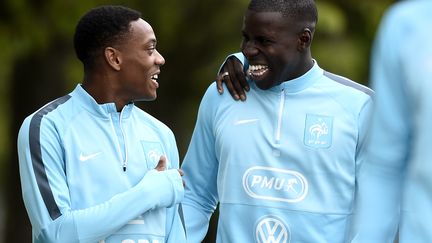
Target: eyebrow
x=152 y=41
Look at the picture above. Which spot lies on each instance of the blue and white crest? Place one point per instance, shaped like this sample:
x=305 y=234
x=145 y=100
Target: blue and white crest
x=153 y=152
x=318 y=131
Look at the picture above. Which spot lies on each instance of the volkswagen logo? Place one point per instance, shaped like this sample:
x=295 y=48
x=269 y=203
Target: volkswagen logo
x=272 y=230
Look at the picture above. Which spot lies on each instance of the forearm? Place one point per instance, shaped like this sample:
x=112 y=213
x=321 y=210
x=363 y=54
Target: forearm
x=197 y=221
x=378 y=204
x=237 y=55
x=97 y=222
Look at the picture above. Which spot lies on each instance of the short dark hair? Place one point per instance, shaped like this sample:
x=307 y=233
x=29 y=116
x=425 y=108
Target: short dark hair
x=101 y=27
x=297 y=9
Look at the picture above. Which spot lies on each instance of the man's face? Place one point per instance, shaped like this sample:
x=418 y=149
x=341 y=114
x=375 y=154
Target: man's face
x=140 y=63
x=270 y=43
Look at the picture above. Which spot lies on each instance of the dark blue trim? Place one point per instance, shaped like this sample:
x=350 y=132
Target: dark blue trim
x=36 y=155
x=349 y=83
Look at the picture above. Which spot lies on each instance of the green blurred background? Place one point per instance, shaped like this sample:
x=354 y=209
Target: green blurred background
x=38 y=64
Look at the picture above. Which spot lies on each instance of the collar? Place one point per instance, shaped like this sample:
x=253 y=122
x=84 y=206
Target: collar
x=300 y=83
x=102 y=110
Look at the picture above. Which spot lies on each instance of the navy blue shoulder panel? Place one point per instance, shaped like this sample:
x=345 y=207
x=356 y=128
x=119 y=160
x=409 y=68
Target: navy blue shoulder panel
x=36 y=155
x=349 y=83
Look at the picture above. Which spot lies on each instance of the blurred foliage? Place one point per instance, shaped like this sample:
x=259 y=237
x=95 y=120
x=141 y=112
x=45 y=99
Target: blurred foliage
x=194 y=36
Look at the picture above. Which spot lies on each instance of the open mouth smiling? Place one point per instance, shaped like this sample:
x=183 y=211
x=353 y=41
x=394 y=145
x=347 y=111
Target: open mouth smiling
x=257 y=71
x=154 y=78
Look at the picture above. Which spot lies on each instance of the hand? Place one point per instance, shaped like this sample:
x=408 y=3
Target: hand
x=234 y=77
x=182 y=174
x=161 y=166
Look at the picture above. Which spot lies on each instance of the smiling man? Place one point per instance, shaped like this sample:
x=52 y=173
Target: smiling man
x=94 y=167
x=282 y=164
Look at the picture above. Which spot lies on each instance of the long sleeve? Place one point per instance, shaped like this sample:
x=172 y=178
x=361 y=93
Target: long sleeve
x=237 y=55
x=175 y=224
x=200 y=166
x=47 y=197
x=381 y=175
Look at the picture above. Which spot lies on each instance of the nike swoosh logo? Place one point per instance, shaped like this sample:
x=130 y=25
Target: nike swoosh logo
x=241 y=122
x=136 y=221
x=87 y=157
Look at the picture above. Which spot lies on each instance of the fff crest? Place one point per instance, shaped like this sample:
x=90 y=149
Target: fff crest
x=318 y=131
x=152 y=151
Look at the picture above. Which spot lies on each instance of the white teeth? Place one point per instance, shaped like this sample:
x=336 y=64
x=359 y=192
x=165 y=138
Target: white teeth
x=257 y=70
x=257 y=67
x=154 y=76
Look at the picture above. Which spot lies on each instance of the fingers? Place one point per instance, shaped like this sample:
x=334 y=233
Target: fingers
x=226 y=78
x=237 y=77
x=161 y=166
x=182 y=174
x=234 y=78
x=219 y=81
x=240 y=75
x=230 y=79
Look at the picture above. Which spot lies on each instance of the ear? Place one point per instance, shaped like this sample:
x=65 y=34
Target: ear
x=305 y=39
x=113 y=57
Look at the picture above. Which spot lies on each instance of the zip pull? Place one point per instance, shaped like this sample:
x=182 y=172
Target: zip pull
x=124 y=141
x=280 y=116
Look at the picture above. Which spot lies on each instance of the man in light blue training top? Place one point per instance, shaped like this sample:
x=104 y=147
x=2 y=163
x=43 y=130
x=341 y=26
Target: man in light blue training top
x=94 y=167
x=282 y=164
x=395 y=182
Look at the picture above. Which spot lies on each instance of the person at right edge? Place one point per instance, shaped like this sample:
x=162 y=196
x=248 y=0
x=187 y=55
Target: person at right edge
x=292 y=175
x=395 y=182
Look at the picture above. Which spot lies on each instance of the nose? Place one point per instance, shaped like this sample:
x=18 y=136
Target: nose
x=249 y=49
x=160 y=60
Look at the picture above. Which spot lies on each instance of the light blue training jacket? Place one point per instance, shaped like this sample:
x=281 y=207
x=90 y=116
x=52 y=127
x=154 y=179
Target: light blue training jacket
x=72 y=156
x=396 y=179
x=282 y=164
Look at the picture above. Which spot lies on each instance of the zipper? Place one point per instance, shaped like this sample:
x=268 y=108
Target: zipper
x=119 y=137
x=125 y=161
x=280 y=116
